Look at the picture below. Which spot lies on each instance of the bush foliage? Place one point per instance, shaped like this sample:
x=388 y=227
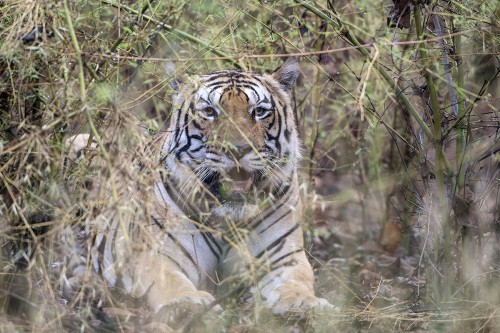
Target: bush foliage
x=398 y=107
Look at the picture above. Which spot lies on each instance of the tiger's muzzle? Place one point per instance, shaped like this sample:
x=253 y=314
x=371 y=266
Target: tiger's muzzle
x=237 y=184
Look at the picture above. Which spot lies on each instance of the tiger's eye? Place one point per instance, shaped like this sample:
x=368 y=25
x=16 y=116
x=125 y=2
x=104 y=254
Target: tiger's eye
x=210 y=112
x=260 y=112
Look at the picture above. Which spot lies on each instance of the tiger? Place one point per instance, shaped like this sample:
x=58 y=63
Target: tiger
x=226 y=200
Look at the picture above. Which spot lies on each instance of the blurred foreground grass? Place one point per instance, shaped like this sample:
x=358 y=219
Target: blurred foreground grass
x=401 y=141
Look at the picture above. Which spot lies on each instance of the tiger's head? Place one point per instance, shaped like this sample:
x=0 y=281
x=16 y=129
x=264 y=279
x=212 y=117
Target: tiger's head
x=236 y=133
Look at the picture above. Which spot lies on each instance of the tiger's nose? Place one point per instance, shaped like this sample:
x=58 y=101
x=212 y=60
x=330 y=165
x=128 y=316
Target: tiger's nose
x=241 y=150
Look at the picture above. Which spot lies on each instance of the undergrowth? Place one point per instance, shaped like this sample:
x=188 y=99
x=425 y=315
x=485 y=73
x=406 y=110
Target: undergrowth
x=397 y=105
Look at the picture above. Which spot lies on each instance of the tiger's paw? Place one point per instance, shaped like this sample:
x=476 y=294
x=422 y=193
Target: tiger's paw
x=301 y=305
x=185 y=307
x=295 y=301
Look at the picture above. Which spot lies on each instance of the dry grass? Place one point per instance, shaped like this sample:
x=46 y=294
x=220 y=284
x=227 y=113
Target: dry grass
x=402 y=221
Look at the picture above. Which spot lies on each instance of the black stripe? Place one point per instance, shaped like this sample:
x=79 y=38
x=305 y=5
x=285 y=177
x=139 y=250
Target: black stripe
x=251 y=86
x=287 y=131
x=277 y=142
x=291 y=262
x=237 y=75
x=183 y=249
x=256 y=78
x=276 y=138
x=180 y=201
x=177 y=127
x=265 y=100
x=275 y=221
x=209 y=235
x=285 y=109
x=271 y=124
x=213 y=159
x=257 y=98
x=185 y=205
x=176 y=263
x=278 y=241
x=214 y=88
x=287 y=135
x=215 y=242
x=188 y=143
x=282 y=190
x=196 y=137
x=232 y=73
x=197 y=149
x=211 y=85
x=255 y=223
x=233 y=81
x=274 y=262
x=246 y=96
x=155 y=220
x=207 y=241
x=226 y=89
x=269 y=148
x=196 y=125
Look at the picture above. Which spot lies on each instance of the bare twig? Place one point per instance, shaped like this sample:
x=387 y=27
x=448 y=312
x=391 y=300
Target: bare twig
x=446 y=64
x=74 y=41
x=436 y=111
x=461 y=135
x=351 y=38
x=173 y=30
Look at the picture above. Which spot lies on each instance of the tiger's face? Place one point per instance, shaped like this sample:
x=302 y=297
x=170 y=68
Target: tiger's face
x=236 y=132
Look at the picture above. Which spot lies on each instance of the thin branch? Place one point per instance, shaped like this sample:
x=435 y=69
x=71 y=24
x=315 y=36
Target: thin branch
x=446 y=64
x=121 y=38
x=461 y=135
x=283 y=55
x=74 y=41
x=479 y=96
x=171 y=29
x=351 y=38
x=436 y=111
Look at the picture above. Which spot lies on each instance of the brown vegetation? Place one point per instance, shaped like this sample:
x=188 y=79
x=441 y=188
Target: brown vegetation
x=400 y=124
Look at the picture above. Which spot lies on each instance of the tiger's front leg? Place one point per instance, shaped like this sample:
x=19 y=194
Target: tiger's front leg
x=290 y=287
x=286 y=283
x=162 y=283
x=173 y=273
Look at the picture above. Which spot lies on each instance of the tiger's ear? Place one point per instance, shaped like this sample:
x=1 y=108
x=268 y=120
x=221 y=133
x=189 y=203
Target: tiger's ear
x=287 y=74
x=175 y=79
